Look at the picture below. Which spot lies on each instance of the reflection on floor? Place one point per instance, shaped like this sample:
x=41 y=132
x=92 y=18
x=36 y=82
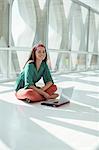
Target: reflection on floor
x=71 y=127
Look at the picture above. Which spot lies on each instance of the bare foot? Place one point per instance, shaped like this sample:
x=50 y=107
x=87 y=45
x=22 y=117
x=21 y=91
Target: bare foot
x=55 y=95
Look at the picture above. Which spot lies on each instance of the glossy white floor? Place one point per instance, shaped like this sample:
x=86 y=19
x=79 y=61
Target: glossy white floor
x=35 y=127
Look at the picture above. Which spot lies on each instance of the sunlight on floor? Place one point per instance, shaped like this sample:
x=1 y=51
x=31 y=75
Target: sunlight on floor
x=3 y=146
x=81 y=123
x=71 y=127
x=68 y=134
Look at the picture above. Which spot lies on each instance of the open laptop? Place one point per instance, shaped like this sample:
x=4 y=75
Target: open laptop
x=65 y=97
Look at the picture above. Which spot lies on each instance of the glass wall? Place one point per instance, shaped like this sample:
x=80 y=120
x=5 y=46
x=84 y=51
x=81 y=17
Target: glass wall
x=74 y=29
x=4 y=37
x=29 y=22
x=4 y=23
x=70 y=31
x=93 y=43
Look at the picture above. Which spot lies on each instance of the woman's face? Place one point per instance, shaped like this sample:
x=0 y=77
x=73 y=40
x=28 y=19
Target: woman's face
x=40 y=53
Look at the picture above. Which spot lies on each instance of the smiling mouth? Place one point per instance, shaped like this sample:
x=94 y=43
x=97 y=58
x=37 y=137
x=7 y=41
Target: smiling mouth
x=41 y=56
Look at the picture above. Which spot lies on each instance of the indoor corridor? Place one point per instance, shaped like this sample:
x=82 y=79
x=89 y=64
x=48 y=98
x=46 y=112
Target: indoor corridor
x=74 y=126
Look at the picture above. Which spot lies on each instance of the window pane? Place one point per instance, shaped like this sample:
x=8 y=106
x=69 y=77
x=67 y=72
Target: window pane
x=4 y=21
x=59 y=14
x=92 y=61
x=94 y=32
x=78 y=62
x=59 y=63
x=78 y=28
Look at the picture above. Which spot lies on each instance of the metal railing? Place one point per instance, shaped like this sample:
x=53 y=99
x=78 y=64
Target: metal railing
x=9 y=61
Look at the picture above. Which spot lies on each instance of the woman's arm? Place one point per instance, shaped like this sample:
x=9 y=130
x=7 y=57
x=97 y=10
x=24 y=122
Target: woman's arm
x=44 y=88
x=40 y=91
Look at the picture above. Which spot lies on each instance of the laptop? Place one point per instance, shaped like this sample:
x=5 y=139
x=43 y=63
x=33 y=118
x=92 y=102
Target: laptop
x=55 y=103
x=64 y=98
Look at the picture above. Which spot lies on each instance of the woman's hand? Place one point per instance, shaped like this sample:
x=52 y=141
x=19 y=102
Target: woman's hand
x=40 y=91
x=46 y=95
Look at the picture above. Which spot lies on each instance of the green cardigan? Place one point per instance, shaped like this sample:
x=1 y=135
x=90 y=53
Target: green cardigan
x=30 y=75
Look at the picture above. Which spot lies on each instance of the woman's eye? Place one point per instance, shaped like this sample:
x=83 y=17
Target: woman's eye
x=41 y=52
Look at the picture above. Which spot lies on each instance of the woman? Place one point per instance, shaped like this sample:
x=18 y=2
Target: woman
x=35 y=68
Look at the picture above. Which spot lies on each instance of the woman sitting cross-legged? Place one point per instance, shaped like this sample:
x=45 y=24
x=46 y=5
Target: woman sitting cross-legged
x=35 y=68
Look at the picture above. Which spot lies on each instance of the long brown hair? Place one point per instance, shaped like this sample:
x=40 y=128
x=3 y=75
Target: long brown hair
x=32 y=56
